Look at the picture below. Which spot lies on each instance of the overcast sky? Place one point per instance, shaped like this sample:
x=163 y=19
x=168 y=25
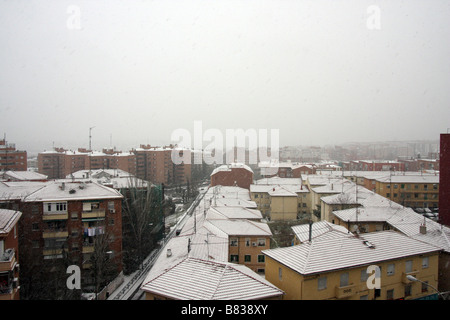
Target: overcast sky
x=322 y=72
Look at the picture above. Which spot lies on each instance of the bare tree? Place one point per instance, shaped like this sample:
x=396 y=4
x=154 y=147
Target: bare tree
x=142 y=210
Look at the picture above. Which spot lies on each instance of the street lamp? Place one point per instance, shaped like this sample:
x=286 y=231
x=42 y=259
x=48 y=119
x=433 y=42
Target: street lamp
x=412 y=278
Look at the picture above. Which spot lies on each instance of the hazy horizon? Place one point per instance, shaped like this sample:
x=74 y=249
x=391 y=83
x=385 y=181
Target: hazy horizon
x=321 y=72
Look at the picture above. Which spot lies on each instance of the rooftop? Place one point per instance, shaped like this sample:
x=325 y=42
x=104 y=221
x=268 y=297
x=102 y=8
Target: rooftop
x=348 y=251
x=8 y=219
x=196 y=279
x=231 y=166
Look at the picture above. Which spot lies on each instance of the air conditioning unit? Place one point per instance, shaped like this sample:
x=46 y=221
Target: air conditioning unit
x=112 y=210
x=254 y=244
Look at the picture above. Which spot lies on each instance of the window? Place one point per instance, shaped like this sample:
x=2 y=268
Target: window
x=322 y=283
x=425 y=286
x=425 y=263
x=261 y=242
x=74 y=215
x=364 y=275
x=390 y=294
x=247 y=242
x=408 y=266
x=234 y=258
x=261 y=258
x=408 y=290
x=55 y=207
x=233 y=242
x=390 y=269
x=344 y=279
x=280 y=273
x=248 y=258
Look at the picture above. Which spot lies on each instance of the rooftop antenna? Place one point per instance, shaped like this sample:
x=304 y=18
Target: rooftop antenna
x=90 y=138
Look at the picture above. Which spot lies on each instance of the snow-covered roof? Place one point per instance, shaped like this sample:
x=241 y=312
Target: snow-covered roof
x=225 y=192
x=426 y=178
x=356 y=194
x=8 y=219
x=279 y=181
x=22 y=175
x=227 y=212
x=327 y=254
x=318 y=229
x=196 y=279
x=99 y=173
x=289 y=188
x=66 y=191
x=231 y=166
x=19 y=190
x=231 y=202
x=239 y=227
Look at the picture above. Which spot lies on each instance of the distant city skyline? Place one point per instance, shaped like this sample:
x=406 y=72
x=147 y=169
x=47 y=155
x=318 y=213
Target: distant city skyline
x=322 y=72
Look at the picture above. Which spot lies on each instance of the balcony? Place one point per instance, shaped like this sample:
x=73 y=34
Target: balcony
x=345 y=291
x=94 y=213
x=55 y=234
x=7 y=260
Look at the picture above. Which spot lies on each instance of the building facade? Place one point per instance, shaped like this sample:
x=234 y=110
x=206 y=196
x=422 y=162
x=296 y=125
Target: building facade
x=12 y=159
x=233 y=174
x=300 y=272
x=444 y=180
x=66 y=223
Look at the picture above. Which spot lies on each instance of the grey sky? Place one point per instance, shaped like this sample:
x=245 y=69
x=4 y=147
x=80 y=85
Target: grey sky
x=138 y=70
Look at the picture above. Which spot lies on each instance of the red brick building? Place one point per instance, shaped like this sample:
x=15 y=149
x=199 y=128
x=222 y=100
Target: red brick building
x=59 y=163
x=12 y=159
x=233 y=174
x=62 y=221
x=444 y=180
x=155 y=164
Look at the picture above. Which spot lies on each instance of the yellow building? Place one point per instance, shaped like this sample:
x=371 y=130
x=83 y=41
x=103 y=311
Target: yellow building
x=414 y=191
x=337 y=267
x=281 y=198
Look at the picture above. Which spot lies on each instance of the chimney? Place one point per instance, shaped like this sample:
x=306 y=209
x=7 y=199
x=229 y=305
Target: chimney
x=169 y=252
x=423 y=227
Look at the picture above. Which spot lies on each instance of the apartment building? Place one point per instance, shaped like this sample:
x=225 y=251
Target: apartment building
x=301 y=273
x=414 y=191
x=232 y=174
x=281 y=198
x=155 y=164
x=9 y=255
x=12 y=159
x=59 y=163
x=64 y=221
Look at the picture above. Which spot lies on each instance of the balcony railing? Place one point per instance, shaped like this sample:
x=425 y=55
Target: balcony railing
x=7 y=260
x=94 y=213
